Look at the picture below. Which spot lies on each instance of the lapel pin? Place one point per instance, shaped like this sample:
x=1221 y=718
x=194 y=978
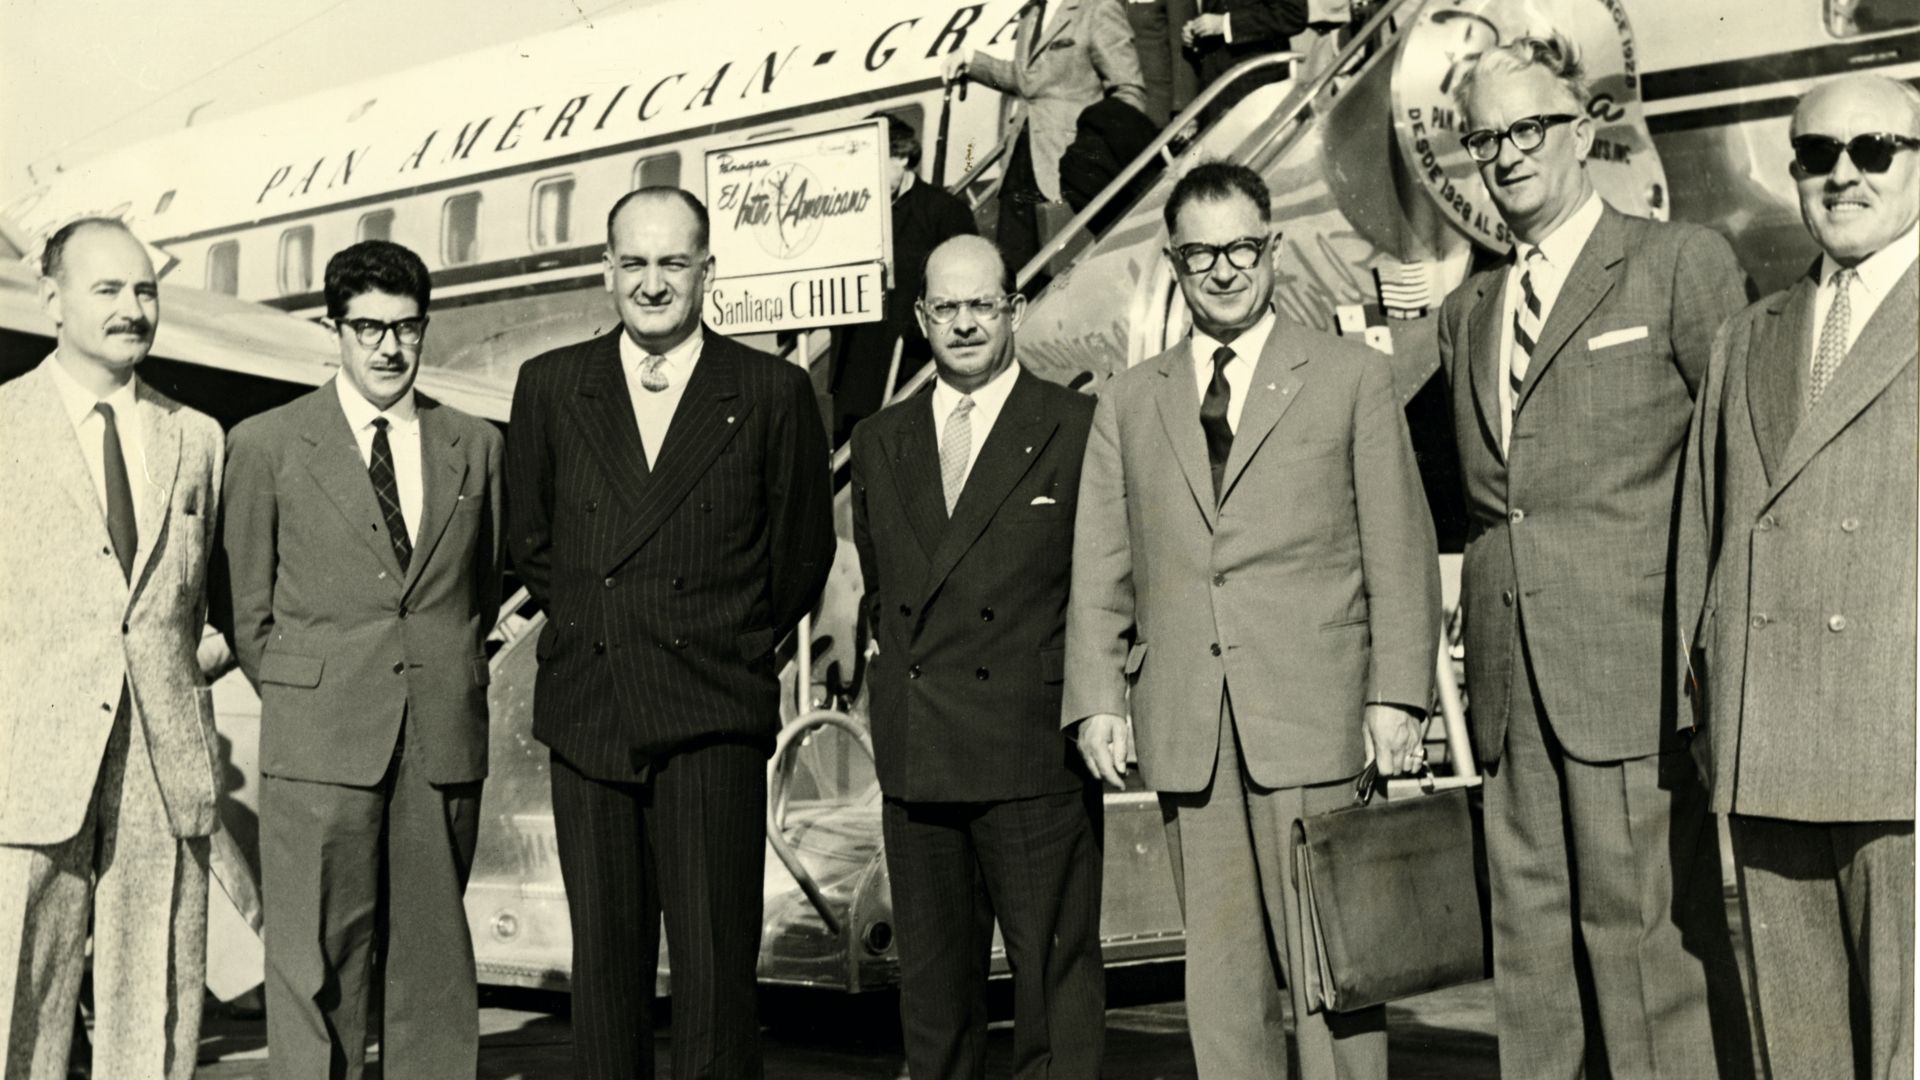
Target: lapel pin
x=1029 y=449
x=1270 y=386
x=729 y=419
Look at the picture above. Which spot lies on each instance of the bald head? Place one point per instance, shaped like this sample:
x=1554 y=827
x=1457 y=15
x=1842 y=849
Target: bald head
x=1851 y=212
x=968 y=251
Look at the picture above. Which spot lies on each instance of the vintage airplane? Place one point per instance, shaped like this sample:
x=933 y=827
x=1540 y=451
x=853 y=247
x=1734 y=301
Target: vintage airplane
x=497 y=167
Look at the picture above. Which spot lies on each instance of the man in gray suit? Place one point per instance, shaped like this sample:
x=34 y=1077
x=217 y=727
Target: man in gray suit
x=1800 y=490
x=1573 y=364
x=1254 y=578
x=107 y=495
x=363 y=540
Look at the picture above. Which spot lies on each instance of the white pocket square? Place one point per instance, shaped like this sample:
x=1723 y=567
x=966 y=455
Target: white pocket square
x=1616 y=337
x=1043 y=500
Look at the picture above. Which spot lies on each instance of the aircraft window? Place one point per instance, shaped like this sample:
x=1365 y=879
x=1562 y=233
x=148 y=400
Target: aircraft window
x=1851 y=18
x=552 y=211
x=376 y=225
x=460 y=229
x=223 y=268
x=166 y=200
x=296 y=261
x=660 y=170
x=916 y=118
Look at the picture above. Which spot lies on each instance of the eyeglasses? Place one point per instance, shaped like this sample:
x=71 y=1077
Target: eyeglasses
x=371 y=332
x=1242 y=254
x=1526 y=134
x=1818 y=154
x=984 y=308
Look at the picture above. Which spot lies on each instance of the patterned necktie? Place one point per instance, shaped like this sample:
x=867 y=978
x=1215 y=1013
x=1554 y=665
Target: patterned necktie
x=1833 y=335
x=955 y=445
x=1213 y=417
x=387 y=489
x=122 y=529
x=651 y=376
x=1527 y=321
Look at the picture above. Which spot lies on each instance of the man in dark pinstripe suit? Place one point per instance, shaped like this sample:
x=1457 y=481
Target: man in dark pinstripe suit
x=671 y=511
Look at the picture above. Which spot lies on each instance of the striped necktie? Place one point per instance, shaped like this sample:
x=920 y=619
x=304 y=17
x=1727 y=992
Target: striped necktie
x=1528 y=316
x=386 y=488
x=1833 y=335
x=956 y=444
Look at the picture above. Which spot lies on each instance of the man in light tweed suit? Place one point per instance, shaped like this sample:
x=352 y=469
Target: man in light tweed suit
x=106 y=732
x=1574 y=363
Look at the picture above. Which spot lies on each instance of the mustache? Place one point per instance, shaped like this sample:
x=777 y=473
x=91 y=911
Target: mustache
x=142 y=327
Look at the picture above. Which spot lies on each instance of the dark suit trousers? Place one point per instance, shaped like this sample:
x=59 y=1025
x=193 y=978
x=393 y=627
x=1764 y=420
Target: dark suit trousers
x=1018 y=229
x=359 y=880
x=1829 y=914
x=1610 y=947
x=1035 y=864
x=690 y=842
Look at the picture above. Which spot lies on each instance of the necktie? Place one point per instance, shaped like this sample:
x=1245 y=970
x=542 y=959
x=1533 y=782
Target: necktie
x=122 y=529
x=387 y=489
x=1039 y=27
x=651 y=376
x=1833 y=335
x=1213 y=416
x=1526 y=328
x=955 y=445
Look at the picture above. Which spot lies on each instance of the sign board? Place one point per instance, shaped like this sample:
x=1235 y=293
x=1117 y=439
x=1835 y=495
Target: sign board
x=802 y=231
x=1625 y=168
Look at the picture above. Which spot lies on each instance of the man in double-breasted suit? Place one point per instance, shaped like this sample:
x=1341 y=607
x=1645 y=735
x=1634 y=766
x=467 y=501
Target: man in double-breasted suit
x=363 y=546
x=1084 y=52
x=1800 y=490
x=107 y=766
x=1254 y=576
x=963 y=501
x=1573 y=366
x=672 y=513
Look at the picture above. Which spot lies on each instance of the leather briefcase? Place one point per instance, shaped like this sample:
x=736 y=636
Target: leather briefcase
x=1391 y=898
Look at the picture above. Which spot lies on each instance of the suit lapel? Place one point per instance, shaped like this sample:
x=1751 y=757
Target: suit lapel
x=46 y=424
x=1591 y=279
x=605 y=411
x=160 y=434
x=443 y=472
x=333 y=459
x=1775 y=384
x=1885 y=348
x=1057 y=25
x=705 y=421
x=1484 y=362
x=1273 y=389
x=1179 y=404
x=1017 y=440
x=916 y=473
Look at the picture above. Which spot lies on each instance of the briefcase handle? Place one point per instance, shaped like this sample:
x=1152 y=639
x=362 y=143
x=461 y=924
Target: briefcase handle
x=1369 y=781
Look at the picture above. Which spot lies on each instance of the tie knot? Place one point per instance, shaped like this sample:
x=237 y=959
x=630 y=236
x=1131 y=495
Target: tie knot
x=963 y=406
x=1222 y=356
x=105 y=410
x=379 y=423
x=1531 y=255
x=1843 y=277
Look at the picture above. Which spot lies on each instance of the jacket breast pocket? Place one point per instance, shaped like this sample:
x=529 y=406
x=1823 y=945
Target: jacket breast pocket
x=291 y=669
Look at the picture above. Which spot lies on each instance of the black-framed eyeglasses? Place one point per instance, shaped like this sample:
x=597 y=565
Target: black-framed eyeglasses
x=984 y=308
x=1526 y=134
x=371 y=332
x=1242 y=254
x=1871 y=153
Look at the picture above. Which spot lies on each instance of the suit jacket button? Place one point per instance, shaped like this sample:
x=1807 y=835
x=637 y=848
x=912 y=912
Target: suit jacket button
x=609 y=583
x=678 y=584
x=108 y=552
x=124 y=629
x=104 y=707
x=599 y=647
x=1516 y=515
x=399 y=667
x=986 y=614
x=1837 y=623
x=905 y=611
x=913 y=672
x=1759 y=620
x=680 y=642
x=980 y=673
x=1506 y=597
x=592 y=505
x=1849 y=524
x=1219 y=579
x=706 y=508
x=1214 y=648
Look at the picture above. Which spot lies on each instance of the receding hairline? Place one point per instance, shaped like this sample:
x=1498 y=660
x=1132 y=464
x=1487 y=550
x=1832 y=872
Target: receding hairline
x=77 y=230
x=1879 y=85
x=963 y=245
x=652 y=196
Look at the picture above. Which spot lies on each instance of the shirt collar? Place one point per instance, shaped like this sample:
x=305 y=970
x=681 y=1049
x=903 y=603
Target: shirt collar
x=1248 y=346
x=1562 y=246
x=360 y=412
x=906 y=185
x=78 y=401
x=986 y=400
x=1882 y=270
x=680 y=358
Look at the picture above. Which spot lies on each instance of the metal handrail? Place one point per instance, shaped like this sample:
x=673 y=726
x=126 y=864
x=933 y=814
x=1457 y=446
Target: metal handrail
x=778 y=776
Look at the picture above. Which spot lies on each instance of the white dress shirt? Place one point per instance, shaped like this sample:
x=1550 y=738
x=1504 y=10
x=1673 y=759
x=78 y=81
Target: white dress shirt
x=653 y=409
x=89 y=427
x=1239 y=370
x=1877 y=274
x=1558 y=252
x=403 y=439
x=987 y=403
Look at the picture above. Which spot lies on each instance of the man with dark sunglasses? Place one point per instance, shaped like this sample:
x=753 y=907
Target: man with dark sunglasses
x=1573 y=365
x=1800 y=531
x=363 y=543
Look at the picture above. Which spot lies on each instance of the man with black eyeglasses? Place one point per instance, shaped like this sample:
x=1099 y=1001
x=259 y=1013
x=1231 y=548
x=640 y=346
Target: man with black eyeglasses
x=363 y=546
x=1573 y=364
x=1800 y=501
x=1254 y=578
x=963 y=507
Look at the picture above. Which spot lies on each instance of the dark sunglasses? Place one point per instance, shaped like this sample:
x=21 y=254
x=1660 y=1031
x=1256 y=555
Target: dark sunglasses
x=1818 y=154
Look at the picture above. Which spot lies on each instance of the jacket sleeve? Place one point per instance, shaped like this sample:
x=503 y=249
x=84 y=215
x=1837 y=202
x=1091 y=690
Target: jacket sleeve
x=1110 y=43
x=862 y=531
x=490 y=555
x=1709 y=287
x=1271 y=21
x=1100 y=622
x=799 y=489
x=1697 y=544
x=1398 y=555
x=529 y=501
x=249 y=546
